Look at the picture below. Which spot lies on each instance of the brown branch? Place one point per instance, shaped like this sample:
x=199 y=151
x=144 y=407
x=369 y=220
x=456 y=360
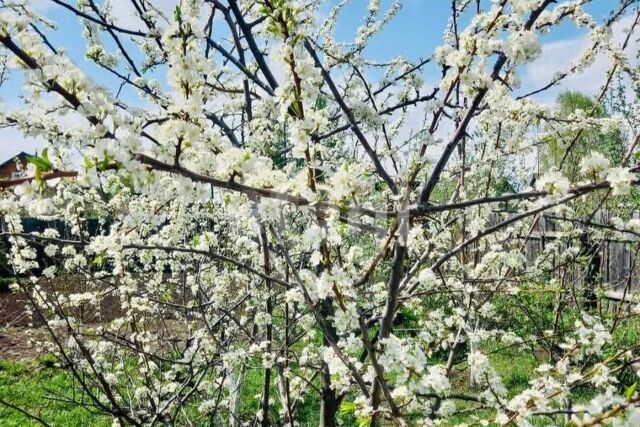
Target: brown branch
x=352 y=120
x=7 y=183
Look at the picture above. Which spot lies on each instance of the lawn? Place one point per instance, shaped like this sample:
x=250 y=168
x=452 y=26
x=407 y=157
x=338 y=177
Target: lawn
x=38 y=385
x=33 y=386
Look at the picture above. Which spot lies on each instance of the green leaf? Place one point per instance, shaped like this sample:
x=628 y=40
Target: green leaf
x=321 y=102
x=364 y=422
x=409 y=314
x=177 y=14
x=127 y=181
x=347 y=408
x=104 y=164
x=98 y=261
x=631 y=390
x=87 y=163
x=40 y=163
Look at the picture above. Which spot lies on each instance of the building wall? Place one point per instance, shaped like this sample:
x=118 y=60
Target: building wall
x=10 y=170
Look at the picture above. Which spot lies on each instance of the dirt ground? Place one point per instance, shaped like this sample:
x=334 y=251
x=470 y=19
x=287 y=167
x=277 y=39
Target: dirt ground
x=19 y=339
x=21 y=335
x=12 y=310
x=22 y=342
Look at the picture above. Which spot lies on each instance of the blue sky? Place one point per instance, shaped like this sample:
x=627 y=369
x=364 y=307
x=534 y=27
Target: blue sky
x=418 y=27
x=414 y=33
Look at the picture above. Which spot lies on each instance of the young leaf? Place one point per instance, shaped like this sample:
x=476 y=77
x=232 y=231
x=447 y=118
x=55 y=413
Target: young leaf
x=631 y=390
x=98 y=261
x=347 y=408
x=87 y=163
x=40 y=163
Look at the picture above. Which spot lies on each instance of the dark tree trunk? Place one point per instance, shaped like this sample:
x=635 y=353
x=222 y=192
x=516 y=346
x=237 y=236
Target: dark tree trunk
x=329 y=405
x=330 y=401
x=592 y=274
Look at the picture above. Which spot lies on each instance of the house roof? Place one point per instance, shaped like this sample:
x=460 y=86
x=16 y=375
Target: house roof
x=20 y=155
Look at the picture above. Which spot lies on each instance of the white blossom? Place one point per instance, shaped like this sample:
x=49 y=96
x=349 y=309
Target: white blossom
x=554 y=183
x=620 y=179
x=594 y=166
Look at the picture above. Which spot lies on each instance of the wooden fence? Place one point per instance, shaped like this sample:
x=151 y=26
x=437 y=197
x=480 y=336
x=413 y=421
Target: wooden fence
x=617 y=268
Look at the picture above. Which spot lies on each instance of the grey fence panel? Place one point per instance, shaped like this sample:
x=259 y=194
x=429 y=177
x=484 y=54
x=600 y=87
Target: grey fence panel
x=618 y=268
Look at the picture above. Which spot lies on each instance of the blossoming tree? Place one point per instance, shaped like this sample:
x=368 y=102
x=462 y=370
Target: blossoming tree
x=274 y=204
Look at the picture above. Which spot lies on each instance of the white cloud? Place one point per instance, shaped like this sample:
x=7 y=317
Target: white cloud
x=123 y=12
x=559 y=55
x=126 y=15
x=13 y=142
x=40 y=6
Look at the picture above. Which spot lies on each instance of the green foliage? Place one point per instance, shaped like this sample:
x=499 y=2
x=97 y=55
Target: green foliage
x=347 y=413
x=631 y=390
x=307 y=411
x=501 y=185
x=98 y=260
x=277 y=152
x=31 y=386
x=177 y=14
x=570 y=101
x=39 y=386
x=609 y=143
x=41 y=162
x=347 y=408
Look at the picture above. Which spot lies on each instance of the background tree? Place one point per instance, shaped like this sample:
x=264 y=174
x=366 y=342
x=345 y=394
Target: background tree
x=565 y=151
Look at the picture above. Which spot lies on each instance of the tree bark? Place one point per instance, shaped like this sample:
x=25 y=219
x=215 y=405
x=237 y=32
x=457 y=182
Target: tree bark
x=330 y=401
x=592 y=275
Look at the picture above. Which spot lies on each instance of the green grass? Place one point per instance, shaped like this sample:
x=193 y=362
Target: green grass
x=307 y=411
x=516 y=368
x=30 y=386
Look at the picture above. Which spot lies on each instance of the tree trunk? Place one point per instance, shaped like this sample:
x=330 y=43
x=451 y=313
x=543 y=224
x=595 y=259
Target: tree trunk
x=330 y=403
x=235 y=384
x=592 y=275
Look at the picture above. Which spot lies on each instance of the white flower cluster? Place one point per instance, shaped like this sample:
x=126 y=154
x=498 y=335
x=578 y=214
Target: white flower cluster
x=554 y=183
x=620 y=179
x=595 y=166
